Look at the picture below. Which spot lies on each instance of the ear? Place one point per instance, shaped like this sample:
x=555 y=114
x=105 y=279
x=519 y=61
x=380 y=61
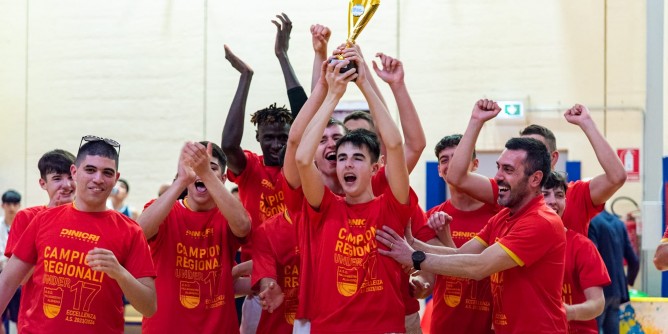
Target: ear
x=257 y=136
x=118 y=176
x=375 y=167
x=474 y=164
x=381 y=160
x=223 y=177
x=554 y=156
x=535 y=178
x=73 y=171
x=42 y=183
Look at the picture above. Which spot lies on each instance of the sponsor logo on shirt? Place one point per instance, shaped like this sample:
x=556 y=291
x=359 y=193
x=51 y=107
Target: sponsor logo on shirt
x=79 y=235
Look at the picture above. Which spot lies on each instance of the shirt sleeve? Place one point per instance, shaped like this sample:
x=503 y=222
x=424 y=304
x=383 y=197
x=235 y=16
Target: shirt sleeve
x=21 y=222
x=589 y=265
x=529 y=240
x=252 y=164
x=315 y=217
x=579 y=207
x=297 y=97
x=264 y=263
x=138 y=261
x=404 y=212
x=26 y=249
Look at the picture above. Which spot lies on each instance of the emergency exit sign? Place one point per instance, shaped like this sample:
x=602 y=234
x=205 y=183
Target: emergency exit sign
x=511 y=110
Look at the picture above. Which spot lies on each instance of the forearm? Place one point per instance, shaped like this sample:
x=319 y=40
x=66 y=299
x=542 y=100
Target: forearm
x=373 y=84
x=313 y=132
x=242 y=269
x=458 y=167
x=234 y=129
x=458 y=265
x=434 y=249
x=242 y=287
x=296 y=133
x=139 y=292
x=291 y=80
x=385 y=125
x=591 y=308
x=154 y=215
x=318 y=59
x=415 y=139
x=230 y=207
x=605 y=155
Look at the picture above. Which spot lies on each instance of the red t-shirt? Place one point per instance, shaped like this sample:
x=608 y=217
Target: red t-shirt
x=527 y=298
x=664 y=239
x=358 y=290
x=68 y=296
x=21 y=222
x=579 y=207
x=584 y=269
x=379 y=185
x=193 y=254
x=260 y=193
x=461 y=301
x=276 y=255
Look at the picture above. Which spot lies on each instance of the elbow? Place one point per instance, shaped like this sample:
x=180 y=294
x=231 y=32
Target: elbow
x=453 y=178
x=302 y=161
x=598 y=307
x=152 y=307
x=244 y=227
x=618 y=179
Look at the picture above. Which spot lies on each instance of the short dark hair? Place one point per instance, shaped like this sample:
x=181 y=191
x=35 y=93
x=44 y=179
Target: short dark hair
x=362 y=138
x=538 y=159
x=333 y=121
x=449 y=141
x=217 y=153
x=98 y=148
x=126 y=184
x=57 y=161
x=360 y=114
x=535 y=129
x=271 y=115
x=11 y=196
x=556 y=180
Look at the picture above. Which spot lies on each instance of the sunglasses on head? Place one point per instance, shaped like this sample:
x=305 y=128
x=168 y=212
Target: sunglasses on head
x=90 y=138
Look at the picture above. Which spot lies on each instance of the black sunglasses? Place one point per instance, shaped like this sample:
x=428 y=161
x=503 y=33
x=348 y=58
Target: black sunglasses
x=111 y=142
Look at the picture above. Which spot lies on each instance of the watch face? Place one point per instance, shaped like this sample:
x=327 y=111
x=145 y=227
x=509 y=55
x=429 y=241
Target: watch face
x=419 y=256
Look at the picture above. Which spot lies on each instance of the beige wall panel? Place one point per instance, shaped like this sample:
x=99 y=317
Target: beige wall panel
x=128 y=70
x=12 y=95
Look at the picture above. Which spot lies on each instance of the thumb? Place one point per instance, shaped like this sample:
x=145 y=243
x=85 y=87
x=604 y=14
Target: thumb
x=375 y=67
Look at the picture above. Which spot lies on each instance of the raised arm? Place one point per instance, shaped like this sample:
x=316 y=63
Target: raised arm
x=309 y=109
x=319 y=37
x=154 y=215
x=393 y=74
x=198 y=158
x=603 y=186
x=395 y=167
x=459 y=175
x=312 y=184
x=296 y=94
x=234 y=123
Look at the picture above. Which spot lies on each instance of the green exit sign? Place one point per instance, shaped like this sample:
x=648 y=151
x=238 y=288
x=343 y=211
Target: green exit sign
x=511 y=109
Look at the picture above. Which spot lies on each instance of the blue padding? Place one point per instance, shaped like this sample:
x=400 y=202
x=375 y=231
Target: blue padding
x=574 y=170
x=664 y=275
x=435 y=185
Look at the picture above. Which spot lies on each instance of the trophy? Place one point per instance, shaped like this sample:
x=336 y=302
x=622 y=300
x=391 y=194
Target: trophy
x=360 y=13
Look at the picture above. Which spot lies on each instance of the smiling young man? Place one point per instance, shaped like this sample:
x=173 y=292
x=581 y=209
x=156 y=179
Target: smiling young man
x=585 y=274
x=193 y=242
x=85 y=257
x=347 y=277
x=56 y=180
x=521 y=248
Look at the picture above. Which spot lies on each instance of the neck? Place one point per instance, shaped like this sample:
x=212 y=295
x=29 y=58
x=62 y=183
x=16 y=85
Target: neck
x=333 y=184
x=89 y=207
x=364 y=197
x=198 y=207
x=9 y=219
x=525 y=200
x=116 y=203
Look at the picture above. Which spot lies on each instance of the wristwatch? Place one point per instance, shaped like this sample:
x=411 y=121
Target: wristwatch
x=418 y=257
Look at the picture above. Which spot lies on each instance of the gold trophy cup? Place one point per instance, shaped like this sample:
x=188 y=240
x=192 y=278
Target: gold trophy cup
x=360 y=13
